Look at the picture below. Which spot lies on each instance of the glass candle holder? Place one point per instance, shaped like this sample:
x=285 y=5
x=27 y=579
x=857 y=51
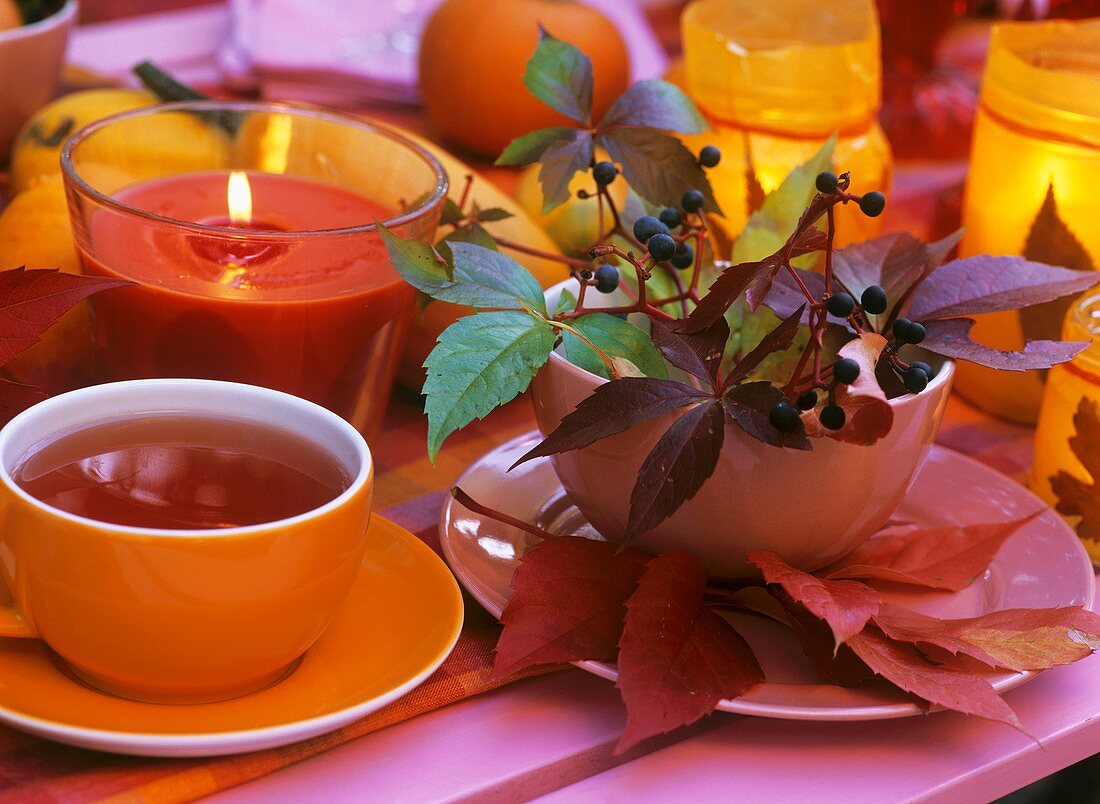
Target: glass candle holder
x=1031 y=189
x=1067 y=385
x=251 y=233
x=775 y=81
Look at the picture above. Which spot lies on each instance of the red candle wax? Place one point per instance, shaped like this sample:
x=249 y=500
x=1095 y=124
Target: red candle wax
x=273 y=304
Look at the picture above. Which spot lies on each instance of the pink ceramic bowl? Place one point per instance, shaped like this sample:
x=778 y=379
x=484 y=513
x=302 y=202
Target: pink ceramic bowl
x=30 y=62
x=809 y=507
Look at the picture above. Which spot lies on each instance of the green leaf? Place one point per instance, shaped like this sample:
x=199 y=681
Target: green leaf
x=559 y=164
x=657 y=166
x=769 y=227
x=493 y=214
x=417 y=262
x=567 y=302
x=655 y=104
x=451 y=213
x=560 y=76
x=528 y=148
x=464 y=234
x=481 y=362
x=615 y=338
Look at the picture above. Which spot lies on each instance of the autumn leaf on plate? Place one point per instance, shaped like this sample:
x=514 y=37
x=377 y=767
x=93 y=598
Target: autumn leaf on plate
x=677 y=657
x=869 y=416
x=1075 y=496
x=948 y=558
x=1051 y=241
x=567 y=604
x=1013 y=639
x=846 y=606
x=903 y=666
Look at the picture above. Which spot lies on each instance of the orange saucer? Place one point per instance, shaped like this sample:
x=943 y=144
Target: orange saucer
x=400 y=621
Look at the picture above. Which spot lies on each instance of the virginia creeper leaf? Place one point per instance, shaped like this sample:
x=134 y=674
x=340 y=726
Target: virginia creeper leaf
x=985 y=284
x=845 y=606
x=655 y=104
x=32 y=300
x=1075 y=496
x=901 y=665
x=491 y=214
x=612 y=408
x=615 y=338
x=722 y=293
x=560 y=161
x=656 y=166
x=16 y=397
x=754 y=195
x=786 y=296
x=951 y=338
x=560 y=75
x=677 y=657
x=481 y=362
x=1051 y=241
x=748 y=405
x=869 y=415
x=836 y=664
x=941 y=558
x=777 y=340
x=677 y=467
x=1013 y=639
x=568 y=603
x=699 y=354
x=799 y=244
x=530 y=147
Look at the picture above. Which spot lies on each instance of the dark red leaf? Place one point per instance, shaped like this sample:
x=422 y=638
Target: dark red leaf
x=869 y=414
x=836 y=665
x=901 y=665
x=568 y=603
x=985 y=284
x=777 y=340
x=612 y=408
x=1015 y=639
x=1076 y=497
x=699 y=353
x=846 y=606
x=748 y=406
x=31 y=301
x=786 y=296
x=657 y=167
x=806 y=241
x=951 y=338
x=15 y=398
x=560 y=161
x=722 y=293
x=677 y=467
x=941 y=558
x=677 y=658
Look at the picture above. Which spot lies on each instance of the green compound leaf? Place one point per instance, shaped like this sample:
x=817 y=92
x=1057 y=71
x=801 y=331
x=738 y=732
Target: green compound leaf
x=481 y=362
x=615 y=338
x=528 y=148
x=560 y=76
x=655 y=104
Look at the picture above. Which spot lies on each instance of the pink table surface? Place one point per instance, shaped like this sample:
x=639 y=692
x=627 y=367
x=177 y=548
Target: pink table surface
x=553 y=736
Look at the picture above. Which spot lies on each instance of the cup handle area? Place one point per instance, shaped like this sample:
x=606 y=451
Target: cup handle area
x=12 y=623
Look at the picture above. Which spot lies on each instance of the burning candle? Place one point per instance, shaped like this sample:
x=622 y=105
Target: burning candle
x=1032 y=184
x=775 y=81
x=269 y=277
x=1067 y=385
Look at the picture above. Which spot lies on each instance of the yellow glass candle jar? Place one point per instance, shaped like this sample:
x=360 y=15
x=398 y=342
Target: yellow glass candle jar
x=1031 y=190
x=775 y=81
x=1068 y=384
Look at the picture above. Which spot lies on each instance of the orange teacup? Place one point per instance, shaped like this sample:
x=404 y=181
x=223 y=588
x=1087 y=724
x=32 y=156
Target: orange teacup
x=178 y=616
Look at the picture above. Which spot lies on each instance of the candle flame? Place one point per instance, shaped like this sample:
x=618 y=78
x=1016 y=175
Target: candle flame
x=239 y=197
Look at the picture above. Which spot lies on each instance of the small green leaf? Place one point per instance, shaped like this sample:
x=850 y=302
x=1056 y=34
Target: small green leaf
x=493 y=214
x=655 y=104
x=451 y=213
x=615 y=338
x=528 y=148
x=417 y=262
x=657 y=166
x=567 y=302
x=559 y=164
x=481 y=362
x=560 y=76
x=471 y=233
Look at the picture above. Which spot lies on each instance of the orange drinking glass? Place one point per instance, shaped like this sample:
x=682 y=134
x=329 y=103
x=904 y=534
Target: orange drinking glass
x=251 y=233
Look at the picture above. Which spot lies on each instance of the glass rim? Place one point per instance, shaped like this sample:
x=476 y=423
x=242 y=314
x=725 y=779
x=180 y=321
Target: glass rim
x=435 y=197
x=1085 y=313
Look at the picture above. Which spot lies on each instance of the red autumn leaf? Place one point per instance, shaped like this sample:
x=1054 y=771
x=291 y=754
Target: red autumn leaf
x=677 y=657
x=16 y=397
x=904 y=667
x=836 y=665
x=951 y=338
x=747 y=406
x=869 y=416
x=612 y=408
x=568 y=603
x=722 y=293
x=31 y=301
x=986 y=284
x=786 y=296
x=1014 y=639
x=699 y=353
x=948 y=558
x=780 y=338
x=809 y=240
x=1076 y=497
x=846 y=606
x=677 y=467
